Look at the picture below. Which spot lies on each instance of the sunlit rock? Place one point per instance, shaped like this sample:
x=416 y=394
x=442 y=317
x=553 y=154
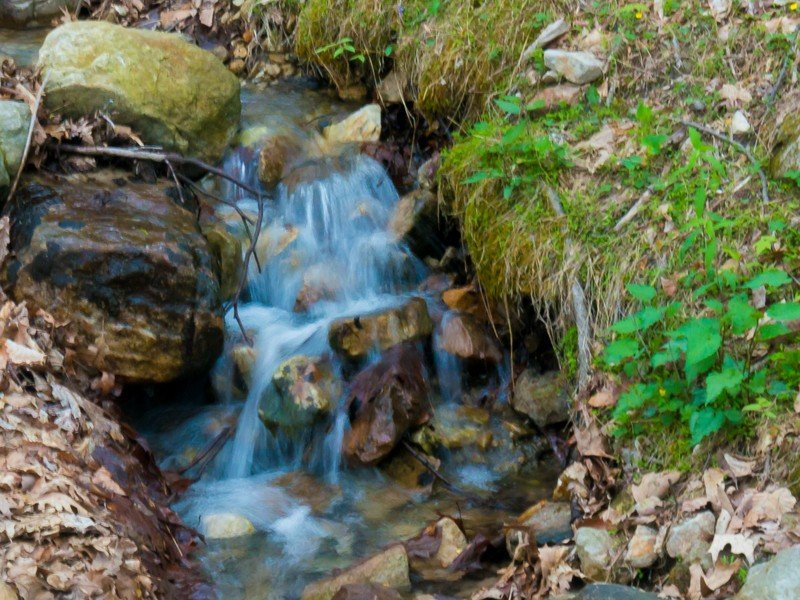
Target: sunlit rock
x=169 y=91
x=126 y=266
x=388 y=568
x=226 y=525
x=364 y=125
x=575 y=67
x=355 y=337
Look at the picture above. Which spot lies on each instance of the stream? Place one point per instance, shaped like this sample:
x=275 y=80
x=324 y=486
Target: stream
x=310 y=512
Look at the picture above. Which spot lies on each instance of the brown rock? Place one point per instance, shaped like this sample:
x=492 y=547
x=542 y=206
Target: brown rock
x=366 y=591
x=543 y=398
x=552 y=97
x=642 y=551
x=276 y=157
x=465 y=337
x=126 y=266
x=355 y=337
x=388 y=568
x=386 y=400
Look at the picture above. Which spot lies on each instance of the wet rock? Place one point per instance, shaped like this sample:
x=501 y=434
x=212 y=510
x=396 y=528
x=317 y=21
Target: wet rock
x=642 y=551
x=366 y=591
x=386 y=400
x=312 y=492
x=427 y=172
x=436 y=548
x=392 y=88
x=405 y=469
x=277 y=154
x=455 y=426
x=355 y=337
x=416 y=221
x=576 y=67
x=244 y=358
x=320 y=282
x=776 y=579
x=226 y=525
x=548 y=35
x=467 y=338
x=551 y=98
x=467 y=300
x=611 y=591
x=126 y=266
x=226 y=248
x=596 y=549
x=690 y=539
x=169 y=91
x=15 y=119
x=18 y=14
x=550 y=521
x=307 y=389
x=542 y=397
x=364 y=125
x=274 y=241
x=388 y=568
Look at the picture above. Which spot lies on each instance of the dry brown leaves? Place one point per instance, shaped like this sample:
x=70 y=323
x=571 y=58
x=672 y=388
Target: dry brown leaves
x=82 y=512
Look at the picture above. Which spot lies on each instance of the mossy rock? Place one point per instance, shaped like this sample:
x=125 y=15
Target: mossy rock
x=170 y=92
x=14 y=120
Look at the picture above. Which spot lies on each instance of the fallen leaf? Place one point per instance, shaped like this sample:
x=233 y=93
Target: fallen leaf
x=669 y=286
x=739 y=467
x=720 y=9
x=603 y=399
x=24 y=356
x=720 y=575
x=654 y=485
x=591 y=441
x=769 y=506
x=739 y=543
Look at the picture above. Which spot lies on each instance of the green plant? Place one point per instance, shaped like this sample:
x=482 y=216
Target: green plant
x=703 y=362
x=342 y=47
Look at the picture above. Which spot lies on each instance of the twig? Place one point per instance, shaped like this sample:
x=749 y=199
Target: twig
x=251 y=250
x=634 y=210
x=424 y=462
x=740 y=147
x=578 y=303
x=137 y=153
x=210 y=451
x=786 y=60
x=28 y=139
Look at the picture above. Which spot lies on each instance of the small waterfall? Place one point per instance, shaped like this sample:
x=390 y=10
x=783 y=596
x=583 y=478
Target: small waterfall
x=328 y=227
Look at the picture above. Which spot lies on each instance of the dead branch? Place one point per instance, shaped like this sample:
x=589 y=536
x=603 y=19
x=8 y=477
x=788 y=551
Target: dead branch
x=137 y=153
x=208 y=454
x=433 y=471
x=578 y=303
x=28 y=139
x=738 y=146
x=634 y=210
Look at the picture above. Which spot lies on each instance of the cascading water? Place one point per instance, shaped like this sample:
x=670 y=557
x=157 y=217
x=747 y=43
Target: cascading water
x=326 y=252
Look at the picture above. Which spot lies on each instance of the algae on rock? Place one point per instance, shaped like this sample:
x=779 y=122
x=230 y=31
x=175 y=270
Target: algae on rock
x=172 y=93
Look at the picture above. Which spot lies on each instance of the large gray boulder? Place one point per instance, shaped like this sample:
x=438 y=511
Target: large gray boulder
x=172 y=93
x=14 y=122
x=125 y=266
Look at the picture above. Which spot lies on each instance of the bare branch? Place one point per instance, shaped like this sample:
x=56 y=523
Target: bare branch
x=28 y=139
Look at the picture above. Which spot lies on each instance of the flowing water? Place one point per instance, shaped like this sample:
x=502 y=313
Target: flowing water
x=328 y=222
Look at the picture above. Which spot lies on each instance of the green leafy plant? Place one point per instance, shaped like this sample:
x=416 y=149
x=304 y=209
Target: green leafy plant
x=342 y=47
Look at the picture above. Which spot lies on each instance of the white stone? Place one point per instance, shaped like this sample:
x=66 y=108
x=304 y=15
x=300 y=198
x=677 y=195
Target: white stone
x=364 y=125
x=739 y=123
x=549 y=34
x=576 y=67
x=226 y=525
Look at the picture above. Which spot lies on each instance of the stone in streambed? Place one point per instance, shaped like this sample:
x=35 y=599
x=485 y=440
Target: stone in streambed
x=307 y=390
x=464 y=336
x=362 y=126
x=126 y=267
x=416 y=222
x=776 y=579
x=226 y=525
x=542 y=397
x=435 y=548
x=277 y=155
x=386 y=400
x=576 y=67
x=596 y=550
x=355 y=337
x=15 y=118
x=550 y=521
x=366 y=591
x=19 y=14
x=169 y=91
x=388 y=568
